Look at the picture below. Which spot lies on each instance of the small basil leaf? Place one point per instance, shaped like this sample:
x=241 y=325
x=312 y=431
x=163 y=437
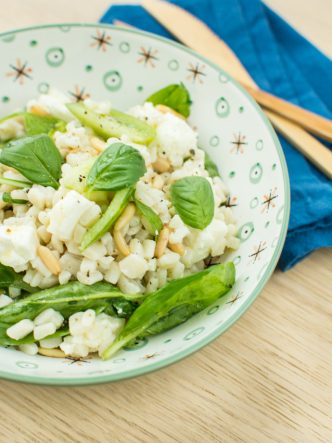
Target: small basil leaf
x=118 y=167
x=174 y=96
x=39 y=124
x=193 y=200
x=7 y=198
x=151 y=220
x=8 y=277
x=36 y=157
x=210 y=166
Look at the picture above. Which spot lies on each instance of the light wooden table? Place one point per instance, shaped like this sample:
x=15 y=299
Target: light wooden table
x=268 y=379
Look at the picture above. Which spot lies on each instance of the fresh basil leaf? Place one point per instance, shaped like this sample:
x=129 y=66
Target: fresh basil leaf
x=118 y=167
x=174 y=96
x=193 y=200
x=175 y=303
x=107 y=220
x=39 y=124
x=7 y=198
x=210 y=166
x=8 y=277
x=151 y=220
x=116 y=124
x=36 y=157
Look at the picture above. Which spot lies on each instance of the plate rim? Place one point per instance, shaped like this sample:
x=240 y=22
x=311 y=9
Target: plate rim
x=80 y=381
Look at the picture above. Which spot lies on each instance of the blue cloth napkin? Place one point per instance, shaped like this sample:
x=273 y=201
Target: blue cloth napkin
x=283 y=62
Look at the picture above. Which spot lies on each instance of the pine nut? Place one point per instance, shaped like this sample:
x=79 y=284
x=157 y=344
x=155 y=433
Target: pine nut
x=98 y=144
x=49 y=260
x=120 y=243
x=161 y=165
x=162 y=242
x=125 y=217
x=176 y=247
x=56 y=353
x=38 y=110
x=166 y=109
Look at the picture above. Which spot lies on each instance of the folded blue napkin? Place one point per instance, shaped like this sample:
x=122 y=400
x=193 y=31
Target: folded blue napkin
x=283 y=62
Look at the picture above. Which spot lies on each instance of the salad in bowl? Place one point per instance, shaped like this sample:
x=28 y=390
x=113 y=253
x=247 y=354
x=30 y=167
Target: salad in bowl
x=113 y=225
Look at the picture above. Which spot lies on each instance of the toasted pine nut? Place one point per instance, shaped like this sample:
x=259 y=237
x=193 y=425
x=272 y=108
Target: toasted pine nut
x=98 y=144
x=166 y=109
x=38 y=110
x=162 y=242
x=120 y=243
x=49 y=260
x=176 y=247
x=161 y=165
x=56 y=353
x=125 y=217
x=158 y=182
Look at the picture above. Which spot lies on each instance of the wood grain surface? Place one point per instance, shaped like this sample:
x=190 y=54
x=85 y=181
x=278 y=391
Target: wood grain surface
x=268 y=379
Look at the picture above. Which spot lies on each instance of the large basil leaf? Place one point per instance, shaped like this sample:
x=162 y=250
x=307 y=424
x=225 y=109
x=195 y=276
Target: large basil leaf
x=174 y=96
x=118 y=167
x=8 y=277
x=193 y=200
x=36 y=157
x=151 y=220
x=175 y=303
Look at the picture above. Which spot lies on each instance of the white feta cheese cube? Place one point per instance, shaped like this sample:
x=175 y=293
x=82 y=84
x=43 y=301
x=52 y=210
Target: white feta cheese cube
x=18 y=243
x=67 y=213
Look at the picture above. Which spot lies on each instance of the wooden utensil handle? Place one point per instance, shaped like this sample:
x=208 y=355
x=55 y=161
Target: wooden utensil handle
x=314 y=123
x=308 y=145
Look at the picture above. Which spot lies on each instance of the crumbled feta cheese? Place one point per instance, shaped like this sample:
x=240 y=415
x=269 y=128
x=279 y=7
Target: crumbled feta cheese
x=209 y=241
x=18 y=243
x=175 y=138
x=66 y=214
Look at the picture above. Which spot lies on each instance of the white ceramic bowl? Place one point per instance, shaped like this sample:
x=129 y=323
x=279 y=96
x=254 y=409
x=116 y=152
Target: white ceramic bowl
x=126 y=66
